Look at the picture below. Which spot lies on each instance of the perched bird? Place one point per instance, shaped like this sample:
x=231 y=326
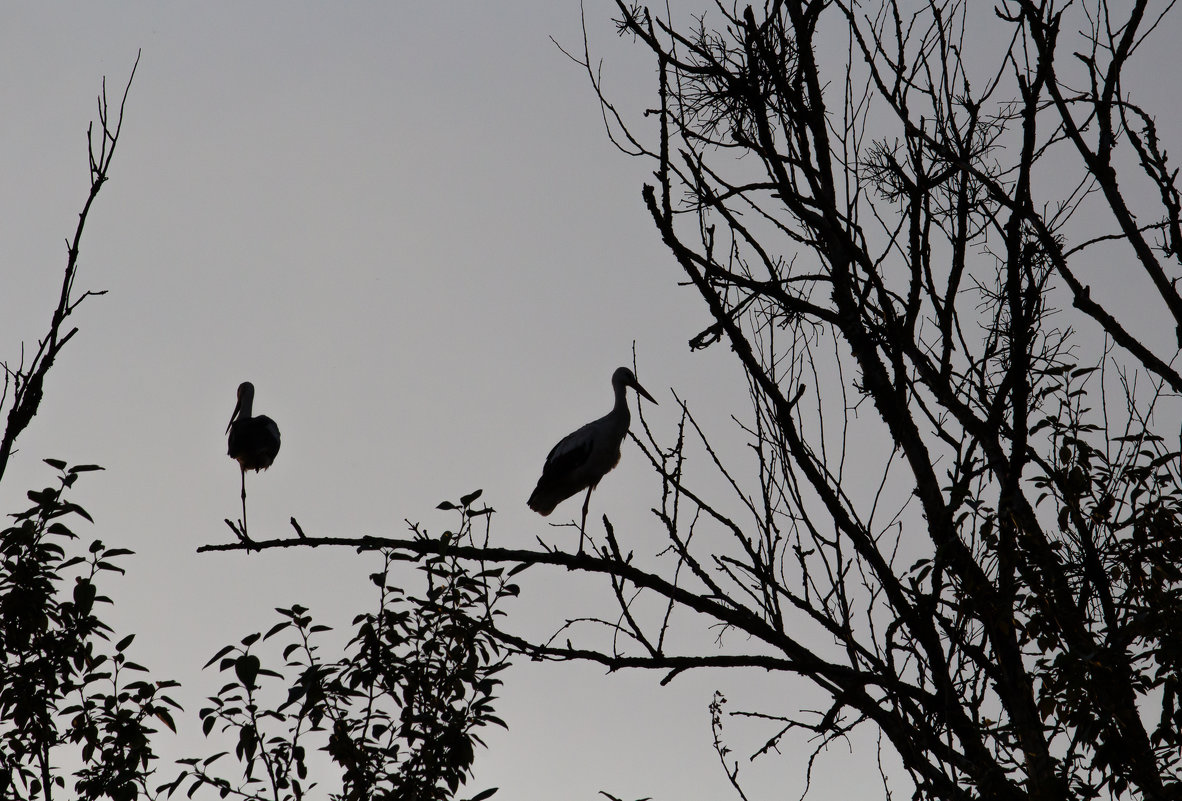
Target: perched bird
x=581 y=459
x=253 y=441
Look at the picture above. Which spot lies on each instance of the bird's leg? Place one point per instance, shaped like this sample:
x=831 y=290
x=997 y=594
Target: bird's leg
x=244 y=535
x=583 y=525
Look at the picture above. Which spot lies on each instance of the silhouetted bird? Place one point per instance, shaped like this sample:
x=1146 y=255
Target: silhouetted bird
x=253 y=441
x=581 y=459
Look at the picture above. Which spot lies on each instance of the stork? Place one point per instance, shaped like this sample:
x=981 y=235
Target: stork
x=581 y=459
x=253 y=441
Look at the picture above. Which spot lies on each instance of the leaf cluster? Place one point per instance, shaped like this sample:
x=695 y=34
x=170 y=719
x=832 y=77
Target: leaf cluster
x=62 y=683
x=398 y=715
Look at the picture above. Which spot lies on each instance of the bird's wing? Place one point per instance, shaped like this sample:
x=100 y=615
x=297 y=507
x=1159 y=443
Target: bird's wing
x=234 y=439
x=256 y=435
x=571 y=451
x=271 y=428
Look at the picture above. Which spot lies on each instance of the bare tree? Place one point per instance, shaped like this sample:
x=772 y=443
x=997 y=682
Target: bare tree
x=961 y=517
x=24 y=383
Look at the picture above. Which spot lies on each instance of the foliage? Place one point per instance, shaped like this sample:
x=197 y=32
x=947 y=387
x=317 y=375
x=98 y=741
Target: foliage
x=398 y=714
x=59 y=685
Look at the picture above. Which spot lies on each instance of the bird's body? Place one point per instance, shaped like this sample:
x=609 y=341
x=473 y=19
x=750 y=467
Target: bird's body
x=581 y=459
x=253 y=441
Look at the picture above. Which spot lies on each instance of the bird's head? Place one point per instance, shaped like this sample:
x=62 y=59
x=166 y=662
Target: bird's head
x=245 y=402
x=623 y=377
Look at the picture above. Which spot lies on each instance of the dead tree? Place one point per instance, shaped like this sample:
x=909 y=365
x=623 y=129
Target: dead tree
x=24 y=382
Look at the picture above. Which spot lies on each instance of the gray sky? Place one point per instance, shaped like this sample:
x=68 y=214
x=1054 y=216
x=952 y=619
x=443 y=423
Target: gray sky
x=404 y=223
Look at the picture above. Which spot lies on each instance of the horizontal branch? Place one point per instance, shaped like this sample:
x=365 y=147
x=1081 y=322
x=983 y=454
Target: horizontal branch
x=798 y=658
x=673 y=664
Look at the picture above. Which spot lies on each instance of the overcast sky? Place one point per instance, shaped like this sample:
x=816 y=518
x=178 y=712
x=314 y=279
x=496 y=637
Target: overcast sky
x=404 y=223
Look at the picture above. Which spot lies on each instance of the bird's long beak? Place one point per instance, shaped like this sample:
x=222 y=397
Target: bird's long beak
x=233 y=417
x=642 y=392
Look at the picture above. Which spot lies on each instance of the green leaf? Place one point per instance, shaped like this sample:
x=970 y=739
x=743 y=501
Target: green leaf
x=218 y=656
x=246 y=667
x=466 y=500
x=445 y=505
x=73 y=507
x=164 y=717
x=47 y=496
x=56 y=464
x=84 y=593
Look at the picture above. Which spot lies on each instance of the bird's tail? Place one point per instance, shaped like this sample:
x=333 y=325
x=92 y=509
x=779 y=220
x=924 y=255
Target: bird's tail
x=540 y=503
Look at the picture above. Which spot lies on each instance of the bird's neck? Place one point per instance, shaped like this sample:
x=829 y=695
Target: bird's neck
x=620 y=410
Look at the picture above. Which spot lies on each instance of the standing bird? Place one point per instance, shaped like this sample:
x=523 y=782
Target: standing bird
x=253 y=441
x=580 y=460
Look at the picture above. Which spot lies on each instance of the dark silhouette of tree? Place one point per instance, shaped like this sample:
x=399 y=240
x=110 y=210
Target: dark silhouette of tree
x=398 y=713
x=916 y=227
x=67 y=694
x=24 y=384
